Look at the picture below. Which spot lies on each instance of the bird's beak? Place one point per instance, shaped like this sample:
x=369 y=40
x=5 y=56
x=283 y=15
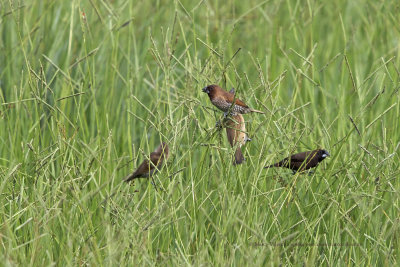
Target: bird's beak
x=205 y=90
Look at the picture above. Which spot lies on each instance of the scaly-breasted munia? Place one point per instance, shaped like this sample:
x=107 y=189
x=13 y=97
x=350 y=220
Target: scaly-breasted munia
x=302 y=161
x=223 y=100
x=147 y=168
x=236 y=133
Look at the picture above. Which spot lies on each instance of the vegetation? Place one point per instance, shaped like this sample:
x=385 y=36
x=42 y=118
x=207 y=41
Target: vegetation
x=89 y=88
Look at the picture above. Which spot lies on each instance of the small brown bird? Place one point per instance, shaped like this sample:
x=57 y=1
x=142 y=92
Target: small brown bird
x=302 y=161
x=223 y=100
x=147 y=168
x=236 y=133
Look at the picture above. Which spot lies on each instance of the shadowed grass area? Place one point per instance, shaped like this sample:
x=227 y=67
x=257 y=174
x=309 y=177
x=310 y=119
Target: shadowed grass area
x=89 y=88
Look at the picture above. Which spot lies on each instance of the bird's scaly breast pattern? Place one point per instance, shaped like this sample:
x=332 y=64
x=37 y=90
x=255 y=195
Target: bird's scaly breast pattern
x=224 y=106
x=221 y=104
x=237 y=108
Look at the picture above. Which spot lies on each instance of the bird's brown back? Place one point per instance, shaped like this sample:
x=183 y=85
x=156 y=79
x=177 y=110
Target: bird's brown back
x=235 y=129
x=236 y=133
x=300 y=161
x=162 y=149
x=300 y=157
x=156 y=158
x=218 y=92
x=230 y=98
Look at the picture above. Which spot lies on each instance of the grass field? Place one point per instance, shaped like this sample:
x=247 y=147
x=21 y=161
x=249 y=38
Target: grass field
x=89 y=88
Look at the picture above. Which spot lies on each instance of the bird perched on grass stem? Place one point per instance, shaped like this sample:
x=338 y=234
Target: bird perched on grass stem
x=302 y=161
x=147 y=167
x=223 y=100
x=236 y=133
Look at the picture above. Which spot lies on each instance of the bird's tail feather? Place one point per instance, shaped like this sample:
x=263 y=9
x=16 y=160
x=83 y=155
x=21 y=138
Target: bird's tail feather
x=130 y=177
x=239 y=158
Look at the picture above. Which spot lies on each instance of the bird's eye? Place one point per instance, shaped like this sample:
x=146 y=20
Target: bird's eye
x=206 y=90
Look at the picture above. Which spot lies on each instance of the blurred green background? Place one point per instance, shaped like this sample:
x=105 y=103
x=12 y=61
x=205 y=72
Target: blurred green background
x=89 y=88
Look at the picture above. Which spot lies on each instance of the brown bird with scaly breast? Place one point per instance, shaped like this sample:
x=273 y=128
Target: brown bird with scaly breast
x=147 y=167
x=302 y=161
x=223 y=100
x=236 y=133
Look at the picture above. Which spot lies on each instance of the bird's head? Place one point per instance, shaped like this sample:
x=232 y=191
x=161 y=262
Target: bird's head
x=210 y=89
x=162 y=150
x=324 y=154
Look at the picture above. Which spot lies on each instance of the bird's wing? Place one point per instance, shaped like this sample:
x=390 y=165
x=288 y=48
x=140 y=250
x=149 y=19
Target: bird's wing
x=231 y=134
x=141 y=171
x=239 y=102
x=154 y=158
x=235 y=129
x=161 y=149
x=300 y=157
x=145 y=166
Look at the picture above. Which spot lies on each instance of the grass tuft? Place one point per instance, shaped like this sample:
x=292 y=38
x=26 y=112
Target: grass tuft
x=89 y=88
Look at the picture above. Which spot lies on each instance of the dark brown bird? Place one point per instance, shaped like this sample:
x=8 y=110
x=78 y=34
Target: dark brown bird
x=147 y=168
x=223 y=100
x=236 y=133
x=302 y=161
